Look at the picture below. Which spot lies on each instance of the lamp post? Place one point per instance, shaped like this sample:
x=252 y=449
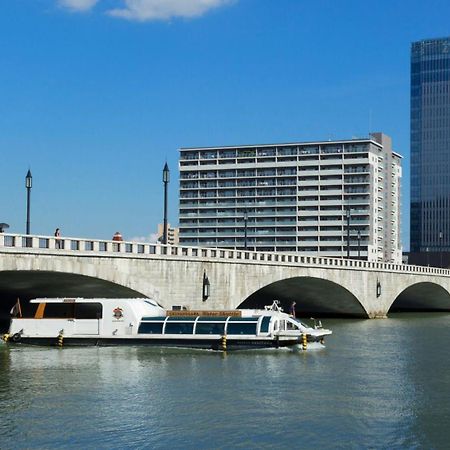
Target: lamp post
x=359 y=244
x=245 y=228
x=347 y=213
x=28 y=185
x=166 y=179
x=428 y=257
x=440 y=248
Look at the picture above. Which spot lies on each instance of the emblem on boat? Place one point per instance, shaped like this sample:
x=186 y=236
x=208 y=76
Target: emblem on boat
x=117 y=313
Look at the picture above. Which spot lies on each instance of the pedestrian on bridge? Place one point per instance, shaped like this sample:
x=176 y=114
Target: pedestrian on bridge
x=58 y=238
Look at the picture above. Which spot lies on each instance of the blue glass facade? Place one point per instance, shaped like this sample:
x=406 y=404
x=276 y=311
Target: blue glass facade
x=430 y=145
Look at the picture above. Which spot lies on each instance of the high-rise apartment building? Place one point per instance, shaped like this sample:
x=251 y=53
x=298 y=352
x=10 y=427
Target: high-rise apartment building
x=172 y=234
x=430 y=146
x=295 y=197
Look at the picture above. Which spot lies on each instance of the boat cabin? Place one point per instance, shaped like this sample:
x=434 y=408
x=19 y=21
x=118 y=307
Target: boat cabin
x=83 y=316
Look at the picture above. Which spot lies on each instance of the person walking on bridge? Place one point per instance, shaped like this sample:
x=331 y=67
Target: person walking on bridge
x=58 y=238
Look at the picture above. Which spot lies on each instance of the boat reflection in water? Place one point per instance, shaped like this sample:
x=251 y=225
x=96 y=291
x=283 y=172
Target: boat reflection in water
x=121 y=321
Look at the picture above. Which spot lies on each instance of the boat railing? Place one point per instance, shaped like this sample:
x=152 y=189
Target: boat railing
x=275 y=306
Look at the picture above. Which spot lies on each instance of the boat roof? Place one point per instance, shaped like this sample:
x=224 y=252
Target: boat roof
x=268 y=311
x=90 y=300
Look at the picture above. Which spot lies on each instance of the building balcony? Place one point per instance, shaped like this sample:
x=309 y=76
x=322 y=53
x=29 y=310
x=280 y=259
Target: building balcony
x=188 y=156
x=330 y=172
x=311 y=189
x=308 y=172
x=358 y=170
x=306 y=222
x=337 y=203
x=362 y=201
x=331 y=192
x=355 y=161
x=307 y=233
x=308 y=213
x=302 y=183
x=301 y=243
x=330 y=233
x=335 y=212
x=353 y=181
x=331 y=223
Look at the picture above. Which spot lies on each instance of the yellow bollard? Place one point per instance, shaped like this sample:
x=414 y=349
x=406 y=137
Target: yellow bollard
x=5 y=337
x=223 y=342
x=60 y=340
x=304 y=341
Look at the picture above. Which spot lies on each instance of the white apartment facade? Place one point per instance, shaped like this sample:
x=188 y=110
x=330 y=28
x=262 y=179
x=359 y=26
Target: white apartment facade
x=296 y=197
x=172 y=234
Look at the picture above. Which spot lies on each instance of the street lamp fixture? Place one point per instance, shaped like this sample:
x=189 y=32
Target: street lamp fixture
x=28 y=186
x=245 y=228
x=166 y=179
x=378 y=288
x=206 y=289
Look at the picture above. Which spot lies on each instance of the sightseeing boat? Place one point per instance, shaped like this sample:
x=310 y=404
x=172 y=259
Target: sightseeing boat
x=141 y=321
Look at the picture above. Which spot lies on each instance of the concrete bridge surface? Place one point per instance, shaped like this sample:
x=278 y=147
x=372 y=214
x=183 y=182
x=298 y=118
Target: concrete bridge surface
x=41 y=266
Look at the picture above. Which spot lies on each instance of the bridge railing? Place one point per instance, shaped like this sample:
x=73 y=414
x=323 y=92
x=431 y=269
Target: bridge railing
x=10 y=242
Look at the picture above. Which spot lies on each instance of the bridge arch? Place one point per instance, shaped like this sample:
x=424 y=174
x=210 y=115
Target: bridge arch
x=27 y=284
x=423 y=296
x=312 y=295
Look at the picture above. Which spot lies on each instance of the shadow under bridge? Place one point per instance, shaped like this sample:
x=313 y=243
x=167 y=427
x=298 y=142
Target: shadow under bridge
x=26 y=285
x=423 y=296
x=313 y=296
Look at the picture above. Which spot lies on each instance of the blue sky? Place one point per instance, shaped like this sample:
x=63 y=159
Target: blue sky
x=96 y=95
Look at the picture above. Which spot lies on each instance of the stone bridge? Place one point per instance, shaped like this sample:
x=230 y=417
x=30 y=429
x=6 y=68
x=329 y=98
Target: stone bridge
x=40 y=266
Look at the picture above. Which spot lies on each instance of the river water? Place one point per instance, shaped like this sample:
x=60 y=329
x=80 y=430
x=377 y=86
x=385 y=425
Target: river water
x=380 y=384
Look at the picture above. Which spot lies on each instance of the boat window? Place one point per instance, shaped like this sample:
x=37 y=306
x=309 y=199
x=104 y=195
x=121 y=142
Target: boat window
x=210 y=327
x=88 y=310
x=153 y=319
x=175 y=327
x=73 y=311
x=265 y=324
x=241 y=328
x=301 y=324
x=244 y=319
x=212 y=319
x=281 y=325
x=291 y=325
x=151 y=327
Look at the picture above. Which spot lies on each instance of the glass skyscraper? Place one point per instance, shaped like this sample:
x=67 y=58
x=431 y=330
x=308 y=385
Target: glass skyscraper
x=430 y=145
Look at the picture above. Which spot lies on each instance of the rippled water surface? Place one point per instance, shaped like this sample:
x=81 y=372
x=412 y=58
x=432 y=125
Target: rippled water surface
x=378 y=384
